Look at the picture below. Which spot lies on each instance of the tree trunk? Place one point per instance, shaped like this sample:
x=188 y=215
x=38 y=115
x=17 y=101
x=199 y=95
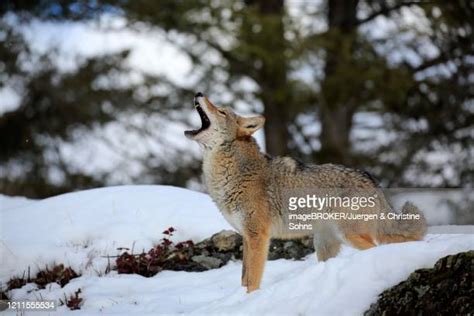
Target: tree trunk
x=271 y=72
x=336 y=109
x=336 y=124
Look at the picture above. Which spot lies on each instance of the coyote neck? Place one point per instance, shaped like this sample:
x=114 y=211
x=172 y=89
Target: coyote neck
x=228 y=168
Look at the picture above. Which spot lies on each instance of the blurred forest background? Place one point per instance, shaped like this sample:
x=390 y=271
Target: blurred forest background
x=96 y=93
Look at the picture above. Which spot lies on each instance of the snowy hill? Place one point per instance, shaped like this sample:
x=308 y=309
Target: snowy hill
x=72 y=228
x=77 y=229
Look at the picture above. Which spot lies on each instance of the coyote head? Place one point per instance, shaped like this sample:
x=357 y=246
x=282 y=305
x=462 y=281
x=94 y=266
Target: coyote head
x=221 y=124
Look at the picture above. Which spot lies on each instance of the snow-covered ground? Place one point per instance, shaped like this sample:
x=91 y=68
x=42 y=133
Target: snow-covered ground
x=77 y=229
x=12 y=202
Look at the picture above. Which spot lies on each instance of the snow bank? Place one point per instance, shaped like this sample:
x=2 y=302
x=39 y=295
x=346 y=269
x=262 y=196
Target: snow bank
x=345 y=285
x=78 y=228
x=12 y=202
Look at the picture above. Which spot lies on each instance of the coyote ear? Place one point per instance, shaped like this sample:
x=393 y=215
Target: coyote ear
x=249 y=125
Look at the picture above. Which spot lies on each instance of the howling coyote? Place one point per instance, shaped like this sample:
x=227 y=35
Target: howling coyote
x=249 y=189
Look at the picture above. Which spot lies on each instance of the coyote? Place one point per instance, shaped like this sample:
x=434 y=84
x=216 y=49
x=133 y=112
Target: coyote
x=248 y=187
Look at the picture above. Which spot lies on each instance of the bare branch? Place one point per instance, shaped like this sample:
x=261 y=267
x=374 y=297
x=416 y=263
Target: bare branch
x=387 y=10
x=440 y=59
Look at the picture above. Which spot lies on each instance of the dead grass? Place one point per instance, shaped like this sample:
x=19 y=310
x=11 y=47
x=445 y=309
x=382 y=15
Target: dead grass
x=58 y=273
x=73 y=302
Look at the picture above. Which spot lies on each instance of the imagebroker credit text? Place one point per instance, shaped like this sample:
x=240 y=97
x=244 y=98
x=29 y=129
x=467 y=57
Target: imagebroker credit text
x=351 y=216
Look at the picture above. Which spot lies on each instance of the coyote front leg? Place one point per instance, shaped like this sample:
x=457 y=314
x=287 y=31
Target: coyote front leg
x=255 y=256
x=245 y=255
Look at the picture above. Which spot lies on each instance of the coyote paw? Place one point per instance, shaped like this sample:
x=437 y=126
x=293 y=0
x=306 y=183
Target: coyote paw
x=251 y=288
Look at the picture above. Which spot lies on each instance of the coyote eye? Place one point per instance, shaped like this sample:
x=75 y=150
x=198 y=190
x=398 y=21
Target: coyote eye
x=222 y=112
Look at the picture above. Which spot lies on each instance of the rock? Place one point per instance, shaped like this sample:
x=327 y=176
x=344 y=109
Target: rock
x=445 y=289
x=207 y=262
x=290 y=249
x=288 y=244
x=226 y=240
x=216 y=251
x=307 y=242
x=206 y=243
x=3 y=305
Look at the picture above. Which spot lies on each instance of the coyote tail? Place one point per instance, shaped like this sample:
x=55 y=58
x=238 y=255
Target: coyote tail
x=399 y=230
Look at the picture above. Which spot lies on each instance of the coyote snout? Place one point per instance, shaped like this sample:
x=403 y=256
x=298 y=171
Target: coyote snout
x=248 y=187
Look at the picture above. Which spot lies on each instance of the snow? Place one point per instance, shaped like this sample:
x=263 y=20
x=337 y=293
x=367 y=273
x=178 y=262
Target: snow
x=12 y=202
x=75 y=227
x=78 y=228
x=433 y=202
x=151 y=52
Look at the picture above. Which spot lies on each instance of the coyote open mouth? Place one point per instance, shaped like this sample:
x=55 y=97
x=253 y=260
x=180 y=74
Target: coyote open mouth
x=205 y=122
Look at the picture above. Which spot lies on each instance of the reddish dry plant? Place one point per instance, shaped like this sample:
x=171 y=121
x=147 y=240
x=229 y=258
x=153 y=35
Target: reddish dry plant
x=156 y=259
x=74 y=302
x=16 y=283
x=3 y=296
x=57 y=273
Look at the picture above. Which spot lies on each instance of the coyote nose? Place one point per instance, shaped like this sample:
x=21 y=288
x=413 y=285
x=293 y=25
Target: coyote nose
x=198 y=95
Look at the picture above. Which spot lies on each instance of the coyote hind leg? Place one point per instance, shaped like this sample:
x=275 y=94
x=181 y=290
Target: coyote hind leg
x=326 y=243
x=361 y=241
